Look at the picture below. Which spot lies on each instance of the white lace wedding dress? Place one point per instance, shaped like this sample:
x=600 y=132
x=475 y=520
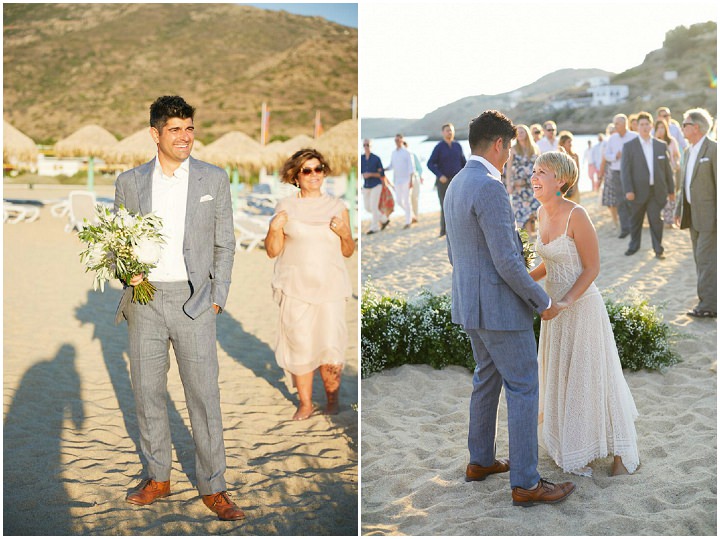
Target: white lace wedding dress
x=586 y=408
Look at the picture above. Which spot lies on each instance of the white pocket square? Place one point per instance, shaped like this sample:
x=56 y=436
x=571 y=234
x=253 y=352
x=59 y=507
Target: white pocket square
x=205 y=198
x=661 y=157
x=704 y=159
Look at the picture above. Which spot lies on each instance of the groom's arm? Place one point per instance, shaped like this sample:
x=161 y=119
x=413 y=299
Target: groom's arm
x=224 y=249
x=495 y=218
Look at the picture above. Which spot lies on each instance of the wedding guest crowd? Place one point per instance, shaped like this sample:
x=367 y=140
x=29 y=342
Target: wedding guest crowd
x=638 y=166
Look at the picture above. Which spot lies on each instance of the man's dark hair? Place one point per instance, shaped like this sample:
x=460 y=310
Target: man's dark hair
x=169 y=106
x=488 y=127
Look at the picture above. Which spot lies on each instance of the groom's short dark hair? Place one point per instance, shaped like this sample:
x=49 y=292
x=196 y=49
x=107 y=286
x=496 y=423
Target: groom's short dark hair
x=169 y=106
x=488 y=127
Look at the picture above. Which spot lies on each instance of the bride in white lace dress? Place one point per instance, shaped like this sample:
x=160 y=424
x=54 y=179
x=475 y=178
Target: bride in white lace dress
x=586 y=408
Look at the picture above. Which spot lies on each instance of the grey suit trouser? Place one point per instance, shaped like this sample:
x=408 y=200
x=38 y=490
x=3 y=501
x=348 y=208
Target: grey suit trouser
x=653 y=209
x=509 y=359
x=705 y=253
x=151 y=329
x=623 y=206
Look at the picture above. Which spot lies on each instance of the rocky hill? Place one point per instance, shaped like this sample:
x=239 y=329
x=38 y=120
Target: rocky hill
x=67 y=65
x=690 y=52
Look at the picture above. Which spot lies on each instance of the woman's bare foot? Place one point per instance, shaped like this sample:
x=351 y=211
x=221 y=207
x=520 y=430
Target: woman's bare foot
x=303 y=412
x=618 y=468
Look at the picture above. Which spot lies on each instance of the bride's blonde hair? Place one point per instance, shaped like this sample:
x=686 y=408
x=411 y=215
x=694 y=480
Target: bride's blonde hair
x=562 y=165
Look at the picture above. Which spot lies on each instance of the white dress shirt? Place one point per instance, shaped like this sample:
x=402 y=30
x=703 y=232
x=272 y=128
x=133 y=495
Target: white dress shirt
x=692 y=158
x=614 y=145
x=544 y=145
x=647 y=147
x=169 y=201
x=401 y=163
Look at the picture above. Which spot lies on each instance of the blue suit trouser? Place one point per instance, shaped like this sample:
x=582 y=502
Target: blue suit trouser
x=509 y=359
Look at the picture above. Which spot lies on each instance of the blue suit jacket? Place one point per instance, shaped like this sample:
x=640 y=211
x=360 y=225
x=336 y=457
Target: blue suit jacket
x=491 y=288
x=209 y=242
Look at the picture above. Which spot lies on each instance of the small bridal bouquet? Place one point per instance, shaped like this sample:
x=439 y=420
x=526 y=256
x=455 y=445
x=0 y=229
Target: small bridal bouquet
x=121 y=246
x=529 y=253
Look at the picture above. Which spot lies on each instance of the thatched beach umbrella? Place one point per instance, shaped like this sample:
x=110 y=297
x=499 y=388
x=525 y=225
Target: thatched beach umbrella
x=138 y=148
x=277 y=153
x=237 y=151
x=339 y=146
x=234 y=149
x=89 y=141
x=17 y=146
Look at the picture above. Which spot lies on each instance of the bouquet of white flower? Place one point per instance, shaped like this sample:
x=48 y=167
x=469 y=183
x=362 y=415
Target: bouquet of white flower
x=121 y=246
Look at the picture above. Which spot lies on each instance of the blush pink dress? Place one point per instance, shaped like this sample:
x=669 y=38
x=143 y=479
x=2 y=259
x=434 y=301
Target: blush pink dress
x=311 y=285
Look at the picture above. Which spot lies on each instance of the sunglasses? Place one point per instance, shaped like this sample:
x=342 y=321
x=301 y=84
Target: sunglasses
x=536 y=132
x=366 y=145
x=549 y=129
x=307 y=170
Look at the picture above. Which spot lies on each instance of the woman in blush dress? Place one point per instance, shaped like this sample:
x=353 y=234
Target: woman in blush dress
x=586 y=408
x=517 y=178
x=310 y=234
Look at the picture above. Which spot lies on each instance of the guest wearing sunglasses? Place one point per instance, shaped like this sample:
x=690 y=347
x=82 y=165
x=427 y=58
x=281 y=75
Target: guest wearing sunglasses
x=548 y=143
x=310 y=234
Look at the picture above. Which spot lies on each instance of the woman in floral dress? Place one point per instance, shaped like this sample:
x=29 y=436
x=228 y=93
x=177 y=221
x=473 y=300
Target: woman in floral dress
x=518 y=172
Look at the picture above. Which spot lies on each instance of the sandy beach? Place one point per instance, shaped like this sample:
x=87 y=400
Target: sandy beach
x=415 y=418
x=70 y=433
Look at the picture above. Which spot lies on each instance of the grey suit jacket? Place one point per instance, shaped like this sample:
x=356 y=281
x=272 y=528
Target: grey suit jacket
x=491 y=288
x=635 y=175
x=209 y=243
x=703 y=190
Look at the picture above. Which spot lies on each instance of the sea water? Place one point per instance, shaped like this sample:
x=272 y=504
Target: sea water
x=419 y=145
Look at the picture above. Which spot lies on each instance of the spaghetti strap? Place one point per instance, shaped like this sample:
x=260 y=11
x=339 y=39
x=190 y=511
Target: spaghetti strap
x=568 y=221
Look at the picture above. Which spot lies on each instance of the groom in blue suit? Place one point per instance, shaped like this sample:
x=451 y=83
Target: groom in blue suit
x=493 y=298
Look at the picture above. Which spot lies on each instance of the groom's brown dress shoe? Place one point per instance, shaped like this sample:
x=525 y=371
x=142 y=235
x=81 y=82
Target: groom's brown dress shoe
x=148 y=491
x=475 y=472
x=545 y=492
x=221 y=504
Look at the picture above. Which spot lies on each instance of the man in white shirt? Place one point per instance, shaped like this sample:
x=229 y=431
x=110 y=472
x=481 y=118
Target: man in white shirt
x=613 y=155
x=192 y=280
x=548 y=143
x=402 y=165
x=648 y=182
x=697 y=206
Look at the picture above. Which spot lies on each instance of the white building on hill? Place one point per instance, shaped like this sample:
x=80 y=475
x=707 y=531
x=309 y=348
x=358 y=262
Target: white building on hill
x=609 y=94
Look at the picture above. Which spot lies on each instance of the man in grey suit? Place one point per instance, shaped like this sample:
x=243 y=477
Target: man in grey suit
x=193 y=280
x=697 y=207
x=648 y=182
x=493 y=298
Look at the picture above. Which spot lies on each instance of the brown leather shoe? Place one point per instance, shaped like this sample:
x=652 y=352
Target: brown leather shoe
x=148 y=491
x=545 y=492
x=220 y=503
x=475 y=472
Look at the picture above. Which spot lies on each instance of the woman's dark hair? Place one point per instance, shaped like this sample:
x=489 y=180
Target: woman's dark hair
x=294 y=164
x=169 y=106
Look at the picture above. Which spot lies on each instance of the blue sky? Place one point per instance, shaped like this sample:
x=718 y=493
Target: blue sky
x=345 y=14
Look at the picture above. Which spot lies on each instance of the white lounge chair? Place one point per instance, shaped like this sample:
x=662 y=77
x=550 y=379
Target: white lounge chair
x=250 y=229
x=16 y=213
x=81 y=206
